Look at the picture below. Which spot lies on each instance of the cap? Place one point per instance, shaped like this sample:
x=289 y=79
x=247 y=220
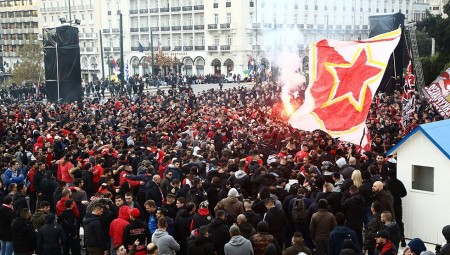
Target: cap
x=135 y=213
x=383 y=234
x=233 y=192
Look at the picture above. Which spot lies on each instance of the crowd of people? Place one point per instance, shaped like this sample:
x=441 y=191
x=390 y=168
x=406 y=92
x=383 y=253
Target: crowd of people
x=218 y=172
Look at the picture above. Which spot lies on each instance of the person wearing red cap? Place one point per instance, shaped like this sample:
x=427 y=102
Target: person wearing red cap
x=136 y=230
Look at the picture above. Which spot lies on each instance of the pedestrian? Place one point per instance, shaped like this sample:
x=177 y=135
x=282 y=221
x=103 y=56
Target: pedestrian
x=384 y=245
x=7 y=216
x=136 y=230
x=372 y=228
x=118 y=225
x=321 y=225
x=276 y=219
x=202 y=244
x=165 y=242
x=218 y=229
x=339 y=234
x=238 y=244
x=23 y=233
x=95 y=239
x=50 y=237
x=262 y=239
x=298 y=246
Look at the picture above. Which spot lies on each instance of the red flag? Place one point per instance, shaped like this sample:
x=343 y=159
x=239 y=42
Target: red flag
x=344 y=76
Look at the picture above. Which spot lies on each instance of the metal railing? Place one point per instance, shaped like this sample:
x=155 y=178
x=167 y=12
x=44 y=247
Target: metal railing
x=225 y=47
x=214 y=47
x=199 y=7
x=187 y=8
x=199 y=27
x=212 y=26
x=187 y=27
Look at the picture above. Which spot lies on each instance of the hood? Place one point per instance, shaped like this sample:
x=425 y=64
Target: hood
x=239 y=174
x=124 y=212
x=341 y=162
x=202 y=240
x=232 y=200
x=342 y=232
x=245 y=228
x=446 y=232
x=237 y=240
x=159 y=233
x=203 y=211
x=40 y=140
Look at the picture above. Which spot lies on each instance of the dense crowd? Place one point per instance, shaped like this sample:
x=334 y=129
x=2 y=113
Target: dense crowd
x=219 y=172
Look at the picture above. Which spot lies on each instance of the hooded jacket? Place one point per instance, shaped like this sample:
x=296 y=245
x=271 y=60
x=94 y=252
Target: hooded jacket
x=137 y=229
x=118 y=225
x=202 y=245
x=232 y=205
x=247 y=230
x=337 y=237
x=49 y=236
x=93 y=231
x=23 y=235
x=219 y=234
x=354 y=207
x=201 y=218
x=238 y=245
x=165 y=242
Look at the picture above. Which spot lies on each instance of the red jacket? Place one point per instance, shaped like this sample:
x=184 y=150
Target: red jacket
x=60 y=207
x=118 y=225
x=123 y=179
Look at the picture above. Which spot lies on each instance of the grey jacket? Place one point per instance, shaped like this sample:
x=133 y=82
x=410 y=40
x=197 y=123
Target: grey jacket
x=238 y=245
x=165 y=242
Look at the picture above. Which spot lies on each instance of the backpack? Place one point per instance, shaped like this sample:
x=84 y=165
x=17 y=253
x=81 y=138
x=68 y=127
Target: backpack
x=299 y=211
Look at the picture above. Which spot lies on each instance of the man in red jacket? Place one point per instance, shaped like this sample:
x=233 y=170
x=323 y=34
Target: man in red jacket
x=118 y=225
x=60 y=207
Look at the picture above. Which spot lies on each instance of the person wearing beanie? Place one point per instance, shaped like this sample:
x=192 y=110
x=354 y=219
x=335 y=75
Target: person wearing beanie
x=298 y=246
x=415 y=247
x=238 y=244
x=49 y=236
x=262 y=238
x=384 y=245
x=202 y=217
x=231 y=204
x=137 y=229
x=321 y=225
x=445 y=250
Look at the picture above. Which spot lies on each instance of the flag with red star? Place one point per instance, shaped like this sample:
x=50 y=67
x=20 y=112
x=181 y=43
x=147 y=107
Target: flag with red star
x=344 y=77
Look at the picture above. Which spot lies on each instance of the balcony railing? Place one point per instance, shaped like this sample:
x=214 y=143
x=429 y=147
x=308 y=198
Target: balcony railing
x=301 y=26
x=116 y=48
x=154 y=10
x=199 y=27
x=187 y=8
x=134 y=11
x=199 y=7
x=144 y=29
x=154 y=28
x=107 y=49
x=187 y=27
x=177 y=48
x=164 y=9
x=166 y=48
x=199 y=47
x=143 y=11
x=116 y=30
x=212 y=26
x=225 y=47
x=165 y=28
x=176 y=28
x=106 y=31
x=175 y=9
x=256 y=25
x=267 y=25
x=134 y=29
x=212 y=47
x=225 y=25
x=188 y=48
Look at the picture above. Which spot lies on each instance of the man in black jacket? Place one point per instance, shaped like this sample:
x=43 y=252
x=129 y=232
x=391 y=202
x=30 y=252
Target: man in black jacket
x=49 y=237
x=219 y=232
x=353 y=207
x=23 y=233
x=276 y=219
x=136 y=230
x=95 y=239
x=202 y=244
x=20 y=199
x=7 y=215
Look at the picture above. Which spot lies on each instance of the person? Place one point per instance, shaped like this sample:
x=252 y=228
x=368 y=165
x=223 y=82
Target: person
x=23 y=233
x=231 y=204
x=20 y=198
x=238 y=244
x=118 y=225
x=320 y=227
x=14 y=174
x=298 y=246
x=39 y=216
x=415 y=247
x=120 y=249
x=398 y=191
x=392 y=228
x=445 y=250
x=70 y=226
x=372 y=228
x=154 y=192
x=384 y=245
x=95 y=239
x=247 y=230
x=276 y=219
x=354 y=207
x=49 y=236
x=202 y=244
x=201 y=217
x=137 y=229
x=152 y=249
x=7 y=216
x=152 y=220
x=339 y=234
x=384 y=197
x=165 y=242
x=60 y=205
x=262 y=239
x=218 y=230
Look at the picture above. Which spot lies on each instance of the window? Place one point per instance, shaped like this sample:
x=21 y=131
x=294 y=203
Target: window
x=423 y=178
x=203 y=40
x=216 y=4
x=229 y=40
x=252 y=4
x=216 y=18
x=216 y=40
x=228 y=17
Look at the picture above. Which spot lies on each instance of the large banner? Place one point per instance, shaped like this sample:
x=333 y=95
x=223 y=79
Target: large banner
x=439 y=94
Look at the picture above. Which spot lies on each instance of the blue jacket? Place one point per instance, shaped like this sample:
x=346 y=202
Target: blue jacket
x=9 y=178
x=337 y=237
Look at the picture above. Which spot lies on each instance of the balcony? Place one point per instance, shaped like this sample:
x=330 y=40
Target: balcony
x=107 y=49
x=154 y=10
x=165 y=28
x=154 y=28
x=225 y=47
x=348 y=27
x=212 y=26
x=116 y=49
x=310 y=26
x=290 y=26
x=338 y=26
x=166 y=48
x=176 y=28
x=187 y=8
x=116 y=30
x=187 y=28
x=225 y=26
x=177 y=48
x=188 y=48
x=141 y=11
x=134 y=29
x=279 y=26
x=256 y=25
x=175 y=9
x=301 y=26
x=106 y=31
x=164 y=9
x=212 y=48
x=268 y=25
x=199 y=27
x=144 y=29
x=199 y=47
x=199 y=7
